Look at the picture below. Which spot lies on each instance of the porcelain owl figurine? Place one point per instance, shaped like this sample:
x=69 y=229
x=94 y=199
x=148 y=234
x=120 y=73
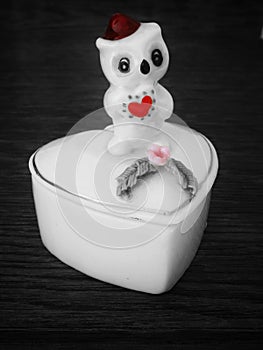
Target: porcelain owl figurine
x=134 y=57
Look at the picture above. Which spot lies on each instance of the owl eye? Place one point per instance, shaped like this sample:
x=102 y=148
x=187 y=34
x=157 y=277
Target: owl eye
x=124 y=65
x=157 y=57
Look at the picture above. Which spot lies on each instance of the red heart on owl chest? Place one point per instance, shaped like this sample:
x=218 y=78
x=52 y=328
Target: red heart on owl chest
x=140 y=110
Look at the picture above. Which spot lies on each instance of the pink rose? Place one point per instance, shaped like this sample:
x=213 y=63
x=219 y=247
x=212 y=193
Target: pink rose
x=158 y=155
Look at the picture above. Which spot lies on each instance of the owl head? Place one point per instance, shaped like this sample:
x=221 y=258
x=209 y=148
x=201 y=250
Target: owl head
x=132 y=53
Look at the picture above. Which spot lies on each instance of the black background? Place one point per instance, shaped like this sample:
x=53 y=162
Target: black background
x=50 y=78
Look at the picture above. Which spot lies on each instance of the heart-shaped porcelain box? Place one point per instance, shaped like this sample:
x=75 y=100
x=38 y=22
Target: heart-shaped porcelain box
x=127 y=204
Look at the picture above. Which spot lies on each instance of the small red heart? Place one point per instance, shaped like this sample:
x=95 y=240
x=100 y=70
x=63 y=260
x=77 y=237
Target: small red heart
x=140 y=110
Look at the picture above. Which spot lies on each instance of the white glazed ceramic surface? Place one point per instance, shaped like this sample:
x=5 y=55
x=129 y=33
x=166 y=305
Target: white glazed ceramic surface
x=144 y=245
x=128 y=89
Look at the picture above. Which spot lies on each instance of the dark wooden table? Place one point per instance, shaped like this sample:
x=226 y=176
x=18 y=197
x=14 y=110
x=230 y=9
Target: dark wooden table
x=50 y=78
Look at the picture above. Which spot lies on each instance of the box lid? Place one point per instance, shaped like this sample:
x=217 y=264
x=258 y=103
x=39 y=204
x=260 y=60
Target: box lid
x=81 y=166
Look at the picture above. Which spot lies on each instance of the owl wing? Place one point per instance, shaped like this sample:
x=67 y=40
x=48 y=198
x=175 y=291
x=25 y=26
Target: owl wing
x=112 y=102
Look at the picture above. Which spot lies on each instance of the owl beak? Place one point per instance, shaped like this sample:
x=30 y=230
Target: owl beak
x=145 y=67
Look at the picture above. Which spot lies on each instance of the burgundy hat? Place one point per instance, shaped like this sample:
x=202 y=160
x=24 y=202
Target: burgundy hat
x=120 y=26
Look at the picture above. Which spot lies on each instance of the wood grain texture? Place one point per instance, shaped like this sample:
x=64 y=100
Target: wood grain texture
x=50 y=78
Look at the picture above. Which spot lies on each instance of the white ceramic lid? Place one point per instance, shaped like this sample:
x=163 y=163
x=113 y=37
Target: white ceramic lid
x=81 y=165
